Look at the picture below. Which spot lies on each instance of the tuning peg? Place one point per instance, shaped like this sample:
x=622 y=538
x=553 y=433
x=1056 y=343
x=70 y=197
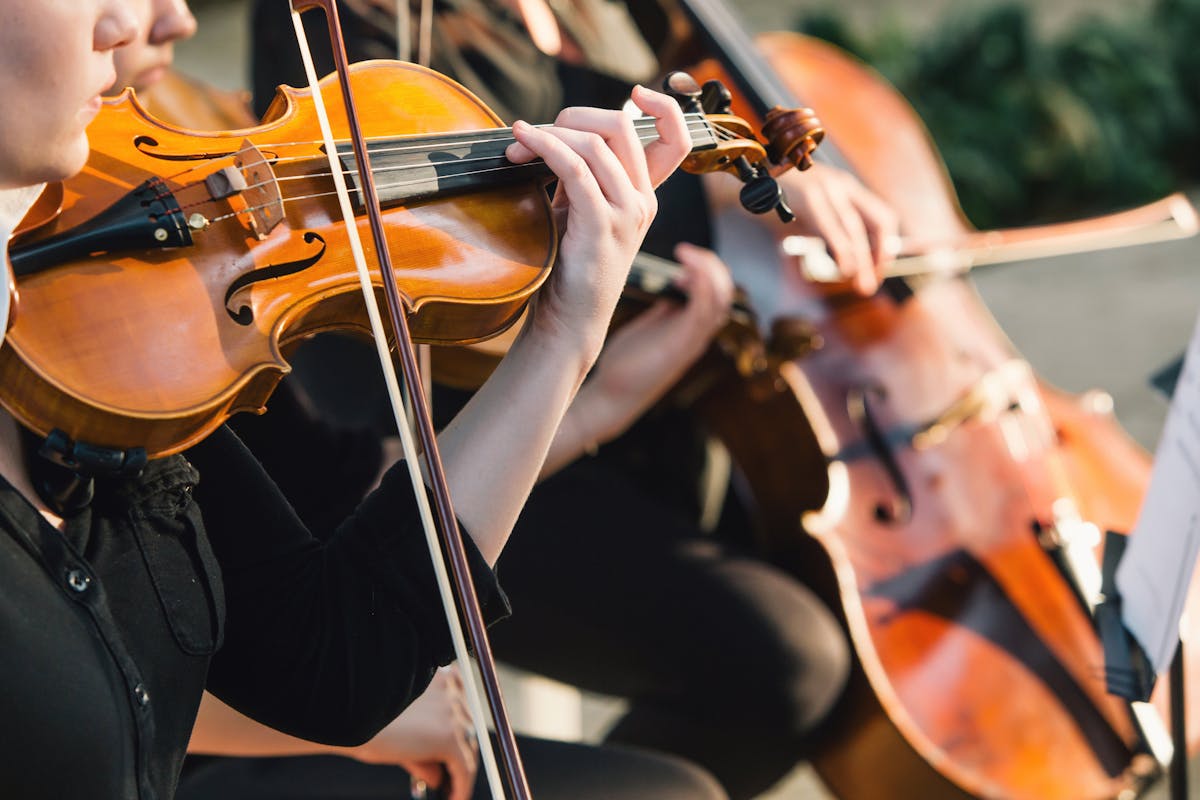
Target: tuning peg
x=761 y=192
x=783 y=209
x=685 y=90
x=715 y=98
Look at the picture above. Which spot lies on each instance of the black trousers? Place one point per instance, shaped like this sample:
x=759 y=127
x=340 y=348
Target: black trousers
x=726 y=660
x=556 y=771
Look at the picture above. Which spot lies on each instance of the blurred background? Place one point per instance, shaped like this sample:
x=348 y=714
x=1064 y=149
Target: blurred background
x=1042 y=111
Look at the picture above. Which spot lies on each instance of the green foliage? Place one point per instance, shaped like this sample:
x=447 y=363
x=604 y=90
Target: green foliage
x=1102 y=117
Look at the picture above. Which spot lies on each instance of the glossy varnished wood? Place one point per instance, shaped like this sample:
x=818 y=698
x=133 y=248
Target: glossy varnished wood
x=140 y=350
x=960 y=620
x=978 y=671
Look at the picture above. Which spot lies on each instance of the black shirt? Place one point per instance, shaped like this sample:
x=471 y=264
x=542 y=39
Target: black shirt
x=111 y=628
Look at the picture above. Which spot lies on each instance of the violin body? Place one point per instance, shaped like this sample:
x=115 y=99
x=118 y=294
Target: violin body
x=194 y=333
x=906 y=462
x=177 y=97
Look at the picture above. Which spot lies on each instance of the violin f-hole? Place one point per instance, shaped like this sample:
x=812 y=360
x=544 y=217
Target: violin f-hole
x=146 y=144
x=898 y=508
x=244 y=315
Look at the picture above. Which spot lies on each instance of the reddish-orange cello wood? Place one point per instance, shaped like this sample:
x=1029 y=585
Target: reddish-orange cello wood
x=979 y=672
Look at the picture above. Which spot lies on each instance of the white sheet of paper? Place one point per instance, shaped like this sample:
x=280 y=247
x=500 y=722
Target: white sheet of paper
x=1156 y=570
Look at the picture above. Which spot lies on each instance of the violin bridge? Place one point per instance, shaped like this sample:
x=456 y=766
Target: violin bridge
x=253 y=181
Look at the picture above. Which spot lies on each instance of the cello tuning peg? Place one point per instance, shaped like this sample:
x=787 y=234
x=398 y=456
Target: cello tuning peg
x=715 y=98
x=685 y=90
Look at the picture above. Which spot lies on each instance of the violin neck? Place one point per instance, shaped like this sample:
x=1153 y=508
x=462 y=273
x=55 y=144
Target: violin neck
x=415 y=169
x=658 y=278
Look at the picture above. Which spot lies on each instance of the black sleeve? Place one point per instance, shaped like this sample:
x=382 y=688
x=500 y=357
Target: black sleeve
x=323 y=469
x=326 y=641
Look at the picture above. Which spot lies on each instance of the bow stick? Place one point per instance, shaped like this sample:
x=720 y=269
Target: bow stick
x=425 y=364
x=462 y=596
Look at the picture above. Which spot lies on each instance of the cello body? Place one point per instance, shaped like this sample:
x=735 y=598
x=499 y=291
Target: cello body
x=907 y=463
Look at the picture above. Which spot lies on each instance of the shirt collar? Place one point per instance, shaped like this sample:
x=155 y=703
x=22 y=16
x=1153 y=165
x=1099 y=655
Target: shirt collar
x=14 y=204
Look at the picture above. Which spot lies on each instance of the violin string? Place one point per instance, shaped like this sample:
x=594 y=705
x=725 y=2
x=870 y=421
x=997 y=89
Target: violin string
x=695 y=124
x=392 y=185
x=375 y=153
x=352 y=190
x=693 y=128
x=690 y=118
x=380 y=170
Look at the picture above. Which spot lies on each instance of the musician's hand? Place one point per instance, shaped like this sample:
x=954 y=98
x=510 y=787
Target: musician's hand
x=605 y=202
x=433 y=734
x=646 y=357
x=859 y=229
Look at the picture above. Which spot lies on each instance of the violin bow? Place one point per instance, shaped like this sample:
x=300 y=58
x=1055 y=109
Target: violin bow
x=461 y=596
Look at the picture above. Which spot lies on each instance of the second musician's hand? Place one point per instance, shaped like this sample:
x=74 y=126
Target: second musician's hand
x=859 y=229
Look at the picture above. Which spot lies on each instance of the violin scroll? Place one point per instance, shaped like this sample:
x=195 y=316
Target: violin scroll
x=792 y=137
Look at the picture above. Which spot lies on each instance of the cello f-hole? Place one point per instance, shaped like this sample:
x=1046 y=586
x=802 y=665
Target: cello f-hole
x=898 y=508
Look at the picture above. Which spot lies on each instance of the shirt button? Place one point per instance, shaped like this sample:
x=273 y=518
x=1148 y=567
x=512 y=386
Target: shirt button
x=142 y=696
x=78 y=580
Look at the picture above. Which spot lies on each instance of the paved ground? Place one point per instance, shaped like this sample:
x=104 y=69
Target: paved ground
x=1087 y=321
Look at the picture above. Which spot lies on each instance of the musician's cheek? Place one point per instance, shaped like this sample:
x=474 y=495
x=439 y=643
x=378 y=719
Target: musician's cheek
x=55 y=60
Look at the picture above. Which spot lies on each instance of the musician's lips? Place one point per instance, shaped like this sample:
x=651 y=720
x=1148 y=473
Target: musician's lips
x=91 y=109
x=148 y=77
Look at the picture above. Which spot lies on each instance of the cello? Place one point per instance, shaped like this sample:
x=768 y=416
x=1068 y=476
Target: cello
x=906 y=462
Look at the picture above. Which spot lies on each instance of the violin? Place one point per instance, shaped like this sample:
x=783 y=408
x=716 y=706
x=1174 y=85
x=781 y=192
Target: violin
x=176 y=97
x=909 y=465
x=159 y=288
